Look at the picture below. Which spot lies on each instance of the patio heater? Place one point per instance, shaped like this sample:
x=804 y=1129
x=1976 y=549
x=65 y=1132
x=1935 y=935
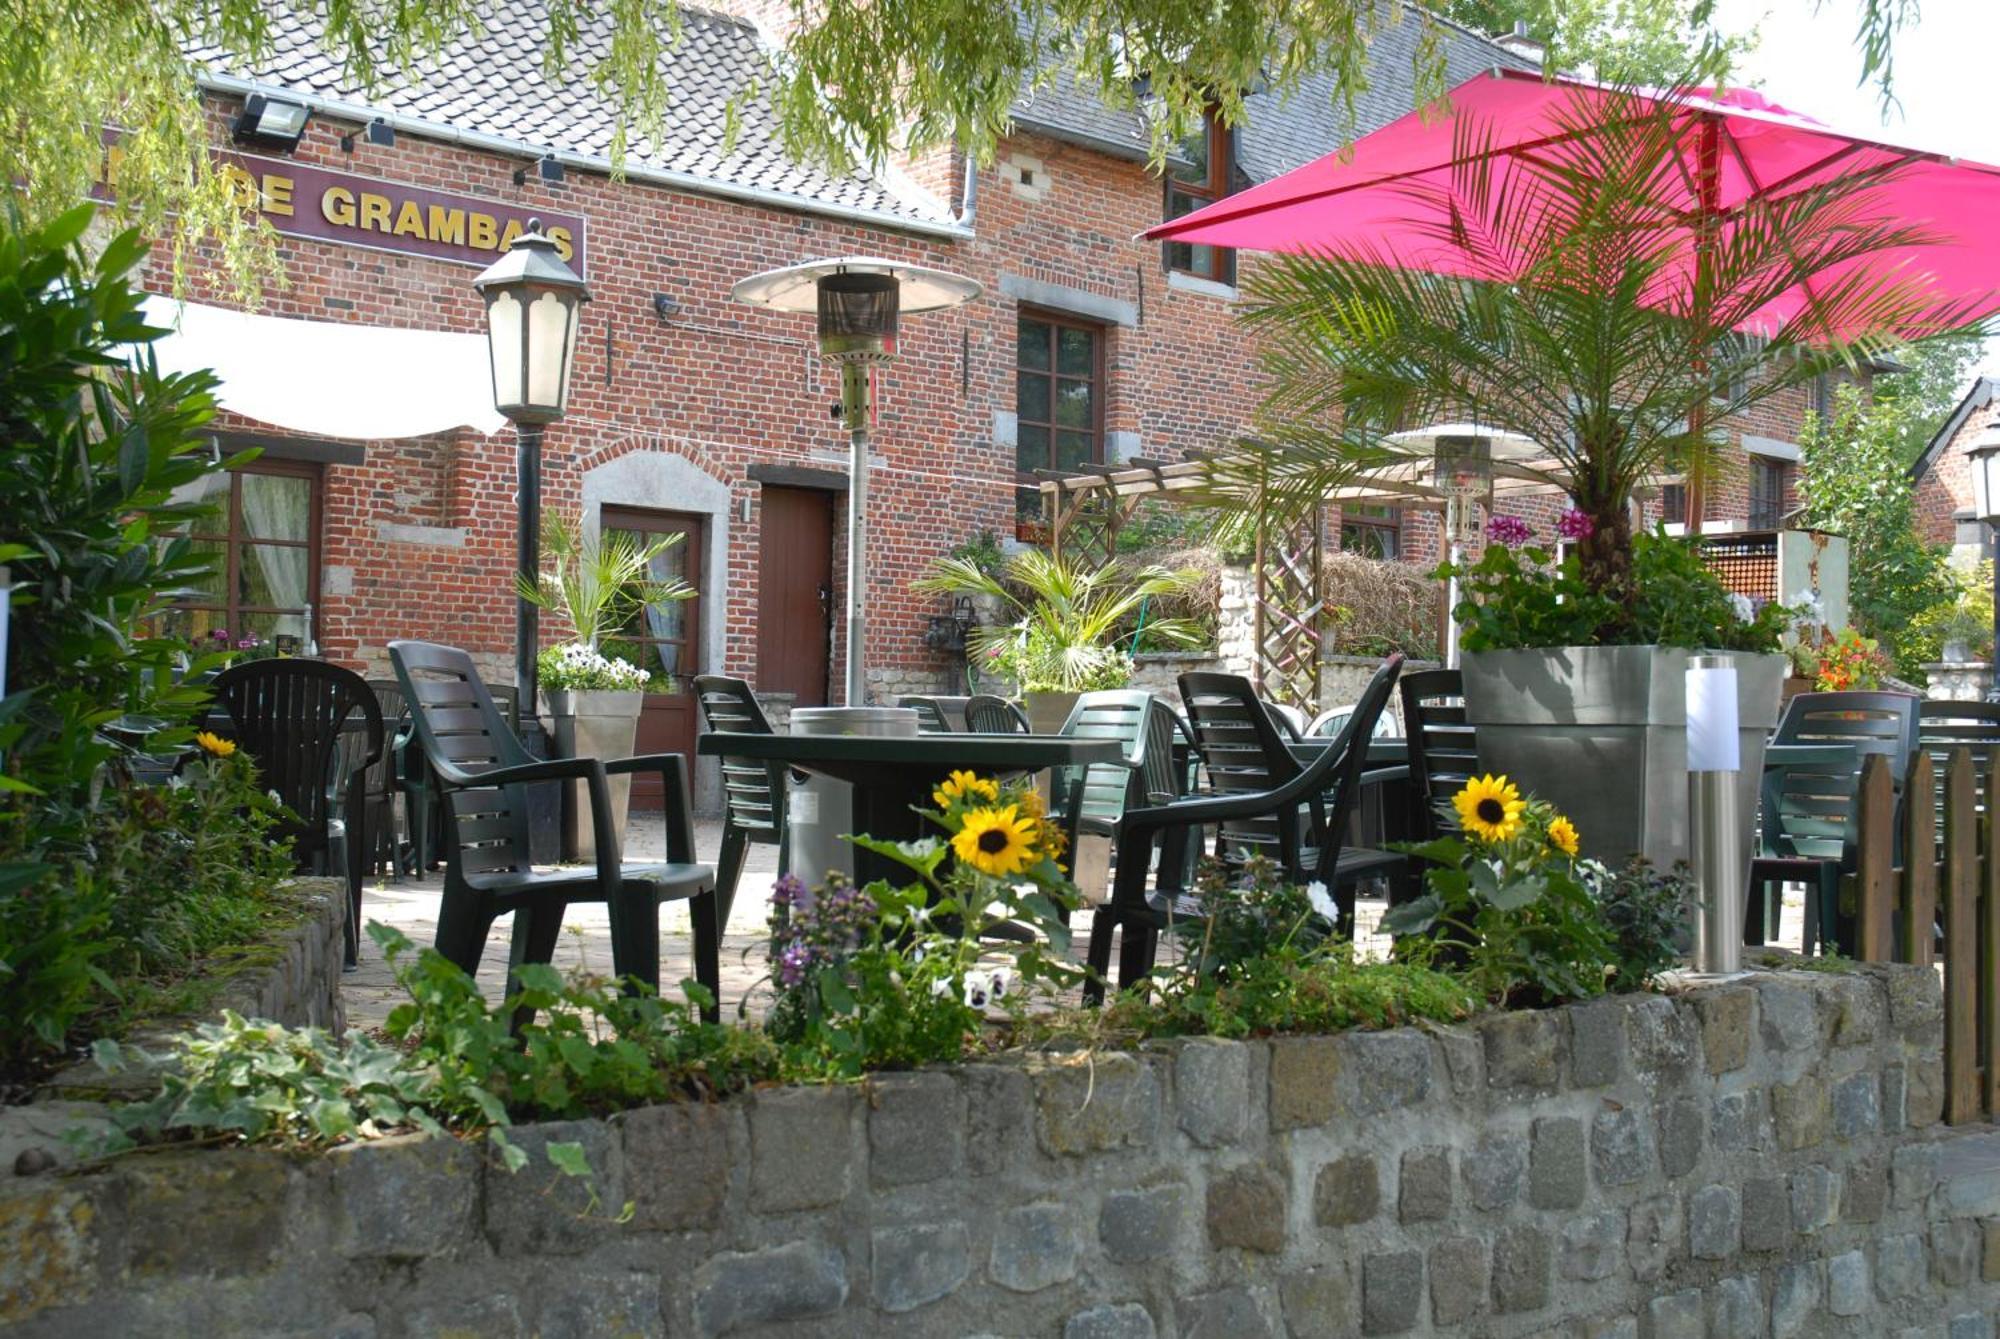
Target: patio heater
x=858 y=300
x=534 y=304
x=1984 y=457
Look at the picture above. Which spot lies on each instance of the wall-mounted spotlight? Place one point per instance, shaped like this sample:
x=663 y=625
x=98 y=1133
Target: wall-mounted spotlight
x=546 y=167
x=378 y=131
x=665 y=307
x=271 y=123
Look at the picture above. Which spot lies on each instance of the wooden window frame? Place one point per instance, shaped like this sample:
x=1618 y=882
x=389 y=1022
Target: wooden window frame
x=1100 y=337
x=234 y=539
x=1779 y=474
x=1200 y=194
x=1356 y=520
x=1673 y=504
x=693 y=524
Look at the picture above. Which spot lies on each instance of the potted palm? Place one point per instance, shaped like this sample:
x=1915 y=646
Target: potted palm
x=1069 y=623
x=597 y=582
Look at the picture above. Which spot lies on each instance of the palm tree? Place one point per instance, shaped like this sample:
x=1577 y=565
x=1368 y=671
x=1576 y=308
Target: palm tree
x=1586 y=331
x=599 y=581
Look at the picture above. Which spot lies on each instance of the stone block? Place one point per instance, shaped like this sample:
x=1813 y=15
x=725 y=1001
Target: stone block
x=1347 y=1191
x=1034 y=1247
x=1815 y=1198
x=1971 y=1325
x=1736 y=1122
x=1385 y=1071
x=1736 y=1309
x=1864 y=1191
x=1989 y=1251
x=1597 y=1044
x=1593 y=1245
x=236 y=1196
x=1246 y=1209
x=1556 y=1178
x=1610 y=1327
x=1464 y=1059
x=1913 y=1174
x=1620 y=1151
x=1954 y=1253
x=1676 y=1316
x=1111 y=1102
x=1135 y=1226
x=1800 y=1112
x=1526 y=1049
x=493 y=1317
x=1227 y=1313
x=1895 y=1099
x=541 y=1210
x=801 y=1147
x=1212 y=1090
x=1901 y=1266
x=797 y=1281
x=1681 y=1121
x=1665 y=1038
x=1304 y=1083
x=1318 y=1303
x=1916 y=999
x=52 y=1246
x=1796 y=1297
x=1392 y=1288
x=917 y=1265
x=1126 y=1320
x=600 y=1302
x=1923 y=1102
x=1424 y=1188
x=1860 y=1012
x=404 y=1198
x=1725 y=1027
x=1493 y=1170
x=1458 y=1279
x=916 y=1127
x=1847 y=1290
x=677 y=1161
x=1767 y=1213
x=1000 y=1116
x=1522 y=1257
x=1715 y=1223
x=1654 y=1238
x=1788 y=1009
x=1857 y=1106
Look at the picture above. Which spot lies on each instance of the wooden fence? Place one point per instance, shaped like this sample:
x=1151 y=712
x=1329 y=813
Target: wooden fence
x=1945 y=890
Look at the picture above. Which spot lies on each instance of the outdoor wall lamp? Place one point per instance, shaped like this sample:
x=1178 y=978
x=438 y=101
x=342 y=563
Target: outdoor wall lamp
x=271 y=123
x=378 y=132
x=1984 y=458
x=665 y=307
x=948 y=632
x=546 y=167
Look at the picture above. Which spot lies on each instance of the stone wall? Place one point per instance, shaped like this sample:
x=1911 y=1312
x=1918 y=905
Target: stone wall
x=1758 y=1157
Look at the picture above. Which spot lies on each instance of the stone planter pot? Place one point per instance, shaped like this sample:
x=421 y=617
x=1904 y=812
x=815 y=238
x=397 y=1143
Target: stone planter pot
x=1793 y=685
x=1048 y=711
x=1601 y=733
x=592 y=723
x=1957 y=651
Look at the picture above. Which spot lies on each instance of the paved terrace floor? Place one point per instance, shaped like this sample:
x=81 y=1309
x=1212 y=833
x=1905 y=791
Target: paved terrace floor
x=411 y=905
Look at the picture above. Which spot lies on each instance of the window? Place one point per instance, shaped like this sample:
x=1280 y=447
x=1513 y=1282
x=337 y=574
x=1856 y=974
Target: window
x=1375 y=530
x=1203 y=181
x=663 y=637
x=1674 y=504
x=1058 y=400
x=1768 y=482
x=264 y=530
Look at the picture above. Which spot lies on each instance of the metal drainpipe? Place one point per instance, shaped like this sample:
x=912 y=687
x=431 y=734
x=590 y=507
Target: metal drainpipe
x=968 y=196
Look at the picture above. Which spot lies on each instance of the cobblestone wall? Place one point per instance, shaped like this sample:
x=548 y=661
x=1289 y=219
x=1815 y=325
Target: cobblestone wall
x=1749 y=1158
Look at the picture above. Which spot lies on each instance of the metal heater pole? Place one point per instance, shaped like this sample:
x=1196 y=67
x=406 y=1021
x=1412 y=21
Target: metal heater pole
x=854 y=408
x=1451 y=506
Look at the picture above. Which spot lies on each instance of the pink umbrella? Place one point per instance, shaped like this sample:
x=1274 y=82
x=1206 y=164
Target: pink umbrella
x=1389 y=194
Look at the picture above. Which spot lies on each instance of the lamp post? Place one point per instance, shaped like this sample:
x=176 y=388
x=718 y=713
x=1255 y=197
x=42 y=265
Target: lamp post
x=533 y=307
x=858 y=300
x=1984 y=457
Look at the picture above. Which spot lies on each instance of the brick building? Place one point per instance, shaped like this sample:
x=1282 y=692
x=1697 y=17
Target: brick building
x=1943 y=477
x=695 y=415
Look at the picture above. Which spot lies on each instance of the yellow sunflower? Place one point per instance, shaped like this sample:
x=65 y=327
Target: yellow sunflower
x=1490 y=808
x=996 y=841
x=1562 y=835
x=962 y=786
x=214 y=743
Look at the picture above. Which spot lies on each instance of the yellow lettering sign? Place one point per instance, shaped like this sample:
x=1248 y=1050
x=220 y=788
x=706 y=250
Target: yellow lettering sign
x=565 y=246
x=278 y=195
x=410 y=221
x=482 y=232
x=513 y=230
x=374 y=211
x=242 y=186
x=336 y=206
x=447 y=225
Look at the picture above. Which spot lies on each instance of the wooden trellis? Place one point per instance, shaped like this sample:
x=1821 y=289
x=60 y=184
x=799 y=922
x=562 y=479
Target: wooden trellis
x=1289 y=622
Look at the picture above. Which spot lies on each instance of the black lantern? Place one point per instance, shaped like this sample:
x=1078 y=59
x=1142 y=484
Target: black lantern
x=533 y=308
x=948 y=632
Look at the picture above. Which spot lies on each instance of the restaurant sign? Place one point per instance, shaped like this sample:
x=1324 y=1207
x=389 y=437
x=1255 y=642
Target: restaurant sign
x=300 y=200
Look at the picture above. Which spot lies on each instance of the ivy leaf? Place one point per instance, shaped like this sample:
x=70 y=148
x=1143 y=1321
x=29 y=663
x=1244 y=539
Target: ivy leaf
x=569 y=1158
x=511 y=1156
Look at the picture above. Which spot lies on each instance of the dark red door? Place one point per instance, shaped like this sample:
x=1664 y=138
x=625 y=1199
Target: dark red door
x=795 y=594
x=668 y=636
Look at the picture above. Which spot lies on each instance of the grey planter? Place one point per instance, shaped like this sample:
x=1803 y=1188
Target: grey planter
x=593 y=723
x=1601 y=733
x=1048 y=711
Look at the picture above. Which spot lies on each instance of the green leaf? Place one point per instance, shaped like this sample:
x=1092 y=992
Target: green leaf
x=1516 y=893
x=569 y=1158
x=834 y=994
x=511 y=1155
x=1414 y=916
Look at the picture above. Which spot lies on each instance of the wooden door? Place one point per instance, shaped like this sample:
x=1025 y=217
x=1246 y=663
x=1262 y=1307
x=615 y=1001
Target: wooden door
x=667 y=639
x=795 y=594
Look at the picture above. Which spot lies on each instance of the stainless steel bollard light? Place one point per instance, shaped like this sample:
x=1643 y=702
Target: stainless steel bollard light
x=1715 y=833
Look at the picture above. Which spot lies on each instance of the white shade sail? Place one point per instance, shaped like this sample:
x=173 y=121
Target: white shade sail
x=331 y=379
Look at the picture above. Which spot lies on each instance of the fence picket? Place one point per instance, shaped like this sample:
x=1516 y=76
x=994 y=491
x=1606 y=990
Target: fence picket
x=1989 y=938
x=1917 y=923
x=1876 y=872
x=1961 y=941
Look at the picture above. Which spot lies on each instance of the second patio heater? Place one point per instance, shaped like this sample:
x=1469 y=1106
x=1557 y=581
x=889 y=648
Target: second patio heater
x=858 y=300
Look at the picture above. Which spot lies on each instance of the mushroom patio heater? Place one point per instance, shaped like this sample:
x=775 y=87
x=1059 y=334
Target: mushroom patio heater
x=858 y=300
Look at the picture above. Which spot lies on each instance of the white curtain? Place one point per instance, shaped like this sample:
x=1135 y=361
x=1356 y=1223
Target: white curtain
x=279 y=507
x=664 y=619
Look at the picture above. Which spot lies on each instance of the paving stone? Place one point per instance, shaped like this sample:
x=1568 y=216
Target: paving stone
x=677 y=1163
x=1556 y=1178
x=1654 y=1238
x=1857 y=1106
x=1135 y=1226
x=1228 y=1313
x=1954 y=1253
x=1864 y=1191
x=1736 y=1309
x=1901 y=1266
x=542 y=1211
x=1113 y=1102
x=1347 y=1190
x=1796 y=1297
x=1767 y=1213
x=1034 y=1247
x=1127 y=1320
x=1971 y=1325
x=1521 y=1261
x=1788 y=1010
x=1681 y=1123
x=1620 y=1151
x=1000 y=1117
x=1800 y=1112
x=1597 y=1044
x=1526 y=1049
x=1847 y=1291
x=1424 y=1188
x=1676 y=1316
x=1923 y=1102
x=1815 y=1198
x=1593 y=1245
x=916 y=1128
x=1458 y=1279
x=1318 y=1303
x=1493 y=1169
x=1725 y=1027
x=1715 y=1223
x=1392 y=1288
x=1665 y=1038
x=1304 y=1083
x=796 y=1281
x=1212 y=1090
x=404 y=1198
x=1385 y=1071
x=1736 y=1121
x=1913 y=1174
x=1246 y=1209
x=801 y=1147
x=915 y=1266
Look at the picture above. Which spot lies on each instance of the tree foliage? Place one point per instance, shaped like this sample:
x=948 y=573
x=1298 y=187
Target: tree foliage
x=1655 y=42
x=1936 y=373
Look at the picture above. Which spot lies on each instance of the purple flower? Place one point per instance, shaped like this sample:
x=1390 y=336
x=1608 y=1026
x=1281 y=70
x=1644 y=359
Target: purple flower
x=219 y=634
x=788 y=891
x=246 y=644
x=1575 y=525
x=792 y=964
x=1509 y=531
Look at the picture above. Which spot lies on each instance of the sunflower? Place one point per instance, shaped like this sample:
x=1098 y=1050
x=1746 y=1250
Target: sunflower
x=215 y=744
x=962 y=786
x=1490 y=808
x=1562 y=835
x=996 y=841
